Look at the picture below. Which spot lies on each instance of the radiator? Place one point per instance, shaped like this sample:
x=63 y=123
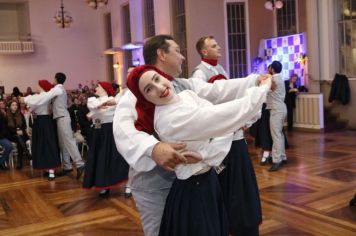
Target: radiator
x=16 y=47
x=309 y=112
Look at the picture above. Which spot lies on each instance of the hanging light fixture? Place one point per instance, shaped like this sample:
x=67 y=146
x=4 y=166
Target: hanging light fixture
x=62 y=18
x=97 y=3
x=273 y=4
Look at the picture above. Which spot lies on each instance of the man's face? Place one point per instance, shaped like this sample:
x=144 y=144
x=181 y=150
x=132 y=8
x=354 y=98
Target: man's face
x=173 y=59
x=211 y=49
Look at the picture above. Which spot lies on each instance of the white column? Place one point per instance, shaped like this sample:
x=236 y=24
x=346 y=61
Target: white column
x=313 y=47
x=163 y=14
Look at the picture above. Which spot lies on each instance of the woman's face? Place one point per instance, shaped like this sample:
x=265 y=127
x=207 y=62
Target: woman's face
x=156 y=88
x=100 y=91
x=13 y=107
x=2 y=105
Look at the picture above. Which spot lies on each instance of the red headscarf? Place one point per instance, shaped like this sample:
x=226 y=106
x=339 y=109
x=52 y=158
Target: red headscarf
x=216 y=77
x=107 y=87
x=144 y=108
x=45 y=85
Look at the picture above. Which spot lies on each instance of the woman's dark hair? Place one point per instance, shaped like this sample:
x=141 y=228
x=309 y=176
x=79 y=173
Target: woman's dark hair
x=14 y=120
x=152 y=45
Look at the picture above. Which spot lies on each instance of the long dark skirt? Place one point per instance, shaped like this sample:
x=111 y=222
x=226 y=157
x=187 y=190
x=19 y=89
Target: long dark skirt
x=44 y=147
x=240 y=191
x=195 y=207
x=261 y=130
x=105 y=167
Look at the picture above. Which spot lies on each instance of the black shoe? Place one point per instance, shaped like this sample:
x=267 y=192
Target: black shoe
x=64 y=172
x=275 y=166
x=19 y=166
x=80 y=171
x=105 y=193
x=268 y=160
x=284 y=162
x=353 y=201
x=4 y=166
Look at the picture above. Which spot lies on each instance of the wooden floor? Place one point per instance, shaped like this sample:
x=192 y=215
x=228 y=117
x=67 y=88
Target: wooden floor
x=308 y=196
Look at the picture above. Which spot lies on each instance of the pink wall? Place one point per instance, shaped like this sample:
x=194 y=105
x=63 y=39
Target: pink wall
x=76 y=51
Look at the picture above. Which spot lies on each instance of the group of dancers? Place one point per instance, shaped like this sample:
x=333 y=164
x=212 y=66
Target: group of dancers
x=179 y=141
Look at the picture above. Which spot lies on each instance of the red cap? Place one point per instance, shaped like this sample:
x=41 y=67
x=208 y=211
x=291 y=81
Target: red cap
x=107 y=87
x=45 y=85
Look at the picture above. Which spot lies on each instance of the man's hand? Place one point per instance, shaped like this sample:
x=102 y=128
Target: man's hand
x=167 y=155
x=192 y=157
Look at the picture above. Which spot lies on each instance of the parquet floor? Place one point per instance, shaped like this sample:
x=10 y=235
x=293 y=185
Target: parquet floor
x=308 y=196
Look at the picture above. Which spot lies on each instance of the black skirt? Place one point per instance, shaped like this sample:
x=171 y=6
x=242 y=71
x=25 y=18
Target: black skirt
x=105 y=167
x=195 y=207
x=261 y=130
x=44 y=147
x=240 y=190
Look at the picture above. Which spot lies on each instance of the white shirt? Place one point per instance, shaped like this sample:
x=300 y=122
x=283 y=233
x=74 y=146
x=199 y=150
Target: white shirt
x=204 y=127
x=136 y=147
x=200 y=74
x=105 y=115
x=38 y=104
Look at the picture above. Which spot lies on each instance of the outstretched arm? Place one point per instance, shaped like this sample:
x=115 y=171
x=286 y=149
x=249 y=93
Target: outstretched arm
x=141 y=150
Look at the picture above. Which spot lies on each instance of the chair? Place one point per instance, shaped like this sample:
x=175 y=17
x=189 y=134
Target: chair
x=13 y=154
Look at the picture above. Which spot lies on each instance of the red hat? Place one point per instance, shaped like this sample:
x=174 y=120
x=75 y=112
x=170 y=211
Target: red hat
x=107 y=87
x=45 y=85
x=145 y=109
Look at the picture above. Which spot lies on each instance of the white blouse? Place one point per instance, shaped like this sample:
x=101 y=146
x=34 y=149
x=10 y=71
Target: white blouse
x=37 y=103
x=204 y=127
x=105 y=115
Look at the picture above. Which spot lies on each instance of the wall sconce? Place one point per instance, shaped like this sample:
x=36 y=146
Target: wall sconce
x=116 y=65
x=273 y=4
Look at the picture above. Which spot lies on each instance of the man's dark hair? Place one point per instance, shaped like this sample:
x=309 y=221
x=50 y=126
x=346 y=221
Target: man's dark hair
x=201 y=43
x=152 y=45
x=60 y=77
x=276 y=66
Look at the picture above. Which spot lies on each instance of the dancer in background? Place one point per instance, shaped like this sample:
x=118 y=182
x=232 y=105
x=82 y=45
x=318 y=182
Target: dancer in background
x=105 y=167
x=45 y=150
x=238 y=179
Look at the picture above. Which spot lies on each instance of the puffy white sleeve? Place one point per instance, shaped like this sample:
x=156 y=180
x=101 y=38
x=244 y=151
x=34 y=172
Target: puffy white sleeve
x=44 y=97
x=204 y=122
x=222 y=90
x=135 y=146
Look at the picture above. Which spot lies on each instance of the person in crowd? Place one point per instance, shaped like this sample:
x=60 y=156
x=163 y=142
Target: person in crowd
x=278 y=113
x=238 y=179
x=105 y=167
x=2 y=93
x=5 y=144
x=45 y=150
x=17 y=131
x=67 y=144
x=151 y=161
x=290 y=99
x=16 y=92
x=178 y=118
x=3 y=107
x=28 y=91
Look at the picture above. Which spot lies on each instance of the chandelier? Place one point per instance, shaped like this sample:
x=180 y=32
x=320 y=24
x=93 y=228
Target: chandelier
x=97 y=3
x=62 y=18
x=273 y=4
